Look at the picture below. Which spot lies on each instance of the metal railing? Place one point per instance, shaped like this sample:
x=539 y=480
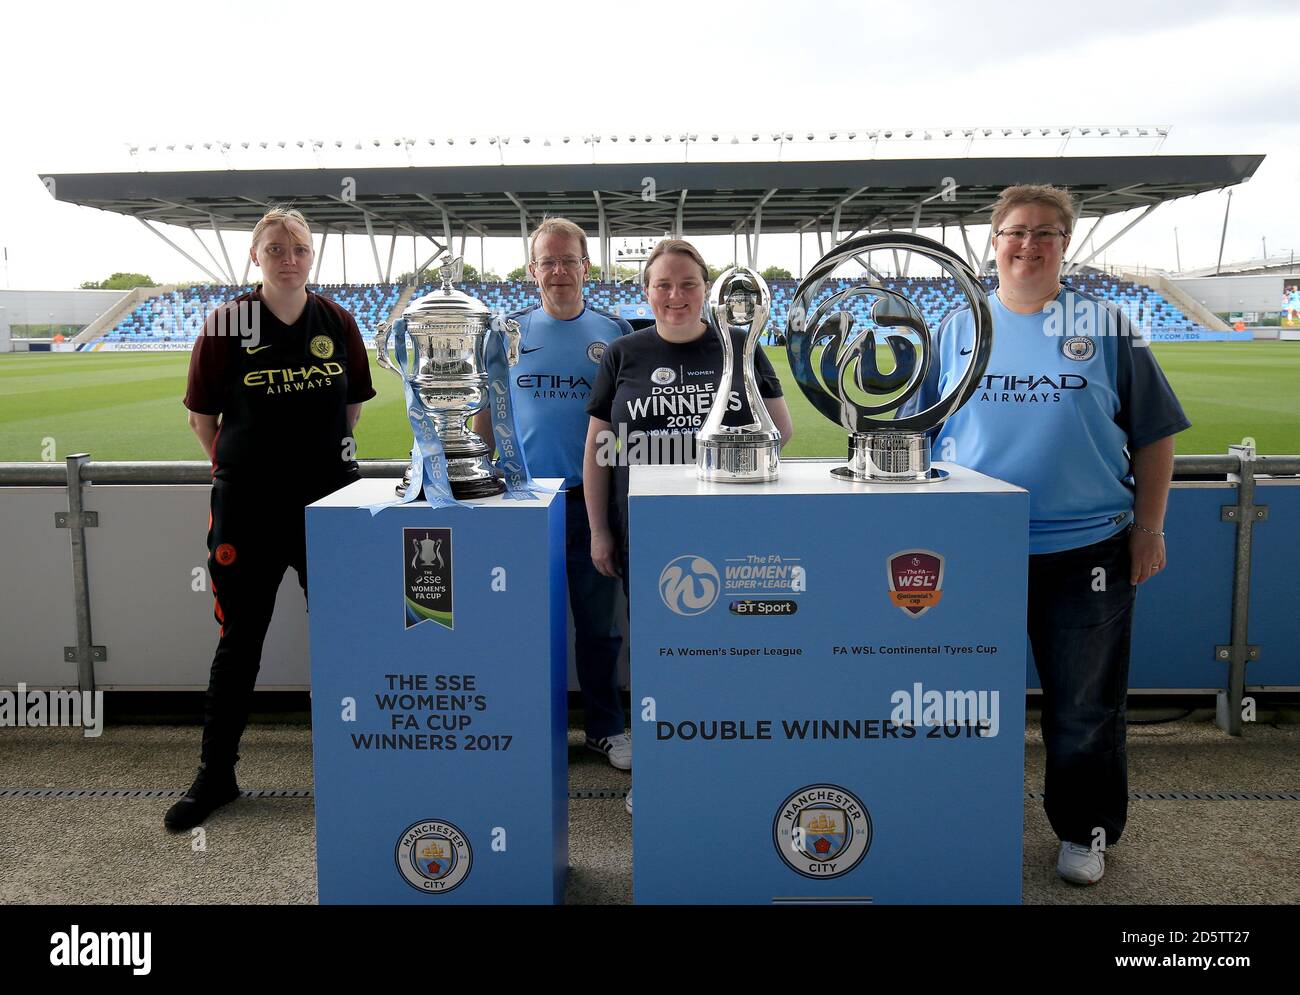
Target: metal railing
x=1241 y=466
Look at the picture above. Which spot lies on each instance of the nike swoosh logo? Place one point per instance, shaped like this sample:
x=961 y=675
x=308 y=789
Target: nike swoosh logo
x=258 y=349
x=536 y=348
x=967 y=352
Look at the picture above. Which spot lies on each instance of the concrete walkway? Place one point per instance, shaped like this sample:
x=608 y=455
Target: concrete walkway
x=107 y=849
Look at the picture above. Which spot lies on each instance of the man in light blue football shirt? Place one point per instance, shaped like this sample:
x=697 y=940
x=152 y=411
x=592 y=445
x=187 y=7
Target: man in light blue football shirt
x=562 y=341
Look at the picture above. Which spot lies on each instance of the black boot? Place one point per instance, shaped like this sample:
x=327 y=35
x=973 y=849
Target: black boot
x=211 y=789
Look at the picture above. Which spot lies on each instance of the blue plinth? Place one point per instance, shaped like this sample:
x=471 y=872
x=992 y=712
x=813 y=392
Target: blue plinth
x=438 y=699
x=828 y=687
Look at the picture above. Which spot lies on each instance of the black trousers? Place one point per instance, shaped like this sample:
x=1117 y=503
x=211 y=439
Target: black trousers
x=1080 y=624
x=256 y=533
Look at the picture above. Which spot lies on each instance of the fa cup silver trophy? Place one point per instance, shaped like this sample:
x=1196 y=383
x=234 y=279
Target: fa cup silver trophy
x=447 y=377
x=835 y=343
x=748 y=453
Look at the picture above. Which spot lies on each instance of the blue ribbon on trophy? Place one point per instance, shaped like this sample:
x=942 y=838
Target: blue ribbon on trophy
x=520 y=485
x=428 y=461
x=428 y=472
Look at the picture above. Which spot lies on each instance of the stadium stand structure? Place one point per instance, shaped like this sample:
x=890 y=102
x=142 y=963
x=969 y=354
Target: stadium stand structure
x=176 y=317
x=173 y=319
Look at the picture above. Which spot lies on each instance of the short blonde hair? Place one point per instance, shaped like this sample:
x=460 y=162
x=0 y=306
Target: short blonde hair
x=557 y=226
x=1058 y=198
x=682 y=248
x=290 y=218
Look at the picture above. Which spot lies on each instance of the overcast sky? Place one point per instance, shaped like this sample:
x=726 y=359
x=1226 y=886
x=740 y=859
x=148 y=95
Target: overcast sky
x=82 y=81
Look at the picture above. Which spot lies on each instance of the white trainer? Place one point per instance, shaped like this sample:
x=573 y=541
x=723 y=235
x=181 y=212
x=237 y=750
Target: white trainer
x=627 y=802
x=617 y=749
x=1080 y=864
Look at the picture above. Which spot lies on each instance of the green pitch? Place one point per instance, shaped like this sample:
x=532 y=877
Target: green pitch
x=127 y=406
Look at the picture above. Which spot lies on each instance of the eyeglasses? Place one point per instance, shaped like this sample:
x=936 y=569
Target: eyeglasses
x=550 y=264
x=1020 y=233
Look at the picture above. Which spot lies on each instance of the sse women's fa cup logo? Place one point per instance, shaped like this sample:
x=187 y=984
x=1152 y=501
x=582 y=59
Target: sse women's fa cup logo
x=862 y=355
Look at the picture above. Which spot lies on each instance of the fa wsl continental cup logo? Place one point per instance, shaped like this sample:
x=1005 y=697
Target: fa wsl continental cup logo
x=427 y=559
x=822 y=831
x=689 y=585
x=915 y=580
x=434 y=856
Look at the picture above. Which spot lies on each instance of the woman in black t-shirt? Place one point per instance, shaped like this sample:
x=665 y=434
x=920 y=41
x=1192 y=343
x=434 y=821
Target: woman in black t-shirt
x=276 y=382
x=654 y=390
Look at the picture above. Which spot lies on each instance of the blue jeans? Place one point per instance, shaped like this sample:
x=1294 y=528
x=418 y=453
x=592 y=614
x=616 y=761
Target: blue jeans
x=596 y=644
x=1080 y=636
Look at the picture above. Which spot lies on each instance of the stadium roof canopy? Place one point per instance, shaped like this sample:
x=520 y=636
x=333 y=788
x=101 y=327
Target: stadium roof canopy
x=613 y=200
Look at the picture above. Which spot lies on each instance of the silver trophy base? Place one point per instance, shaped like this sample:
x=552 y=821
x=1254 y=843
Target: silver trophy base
x=732 y=462
x=890 y=458
x=469 y=472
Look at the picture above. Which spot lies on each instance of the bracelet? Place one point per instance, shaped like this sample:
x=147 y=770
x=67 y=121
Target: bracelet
x=1159 y=535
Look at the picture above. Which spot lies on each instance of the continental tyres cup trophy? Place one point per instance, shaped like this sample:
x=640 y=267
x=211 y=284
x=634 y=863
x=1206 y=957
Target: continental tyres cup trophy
x=836 y=358
x=749 y=453
x=446 y=381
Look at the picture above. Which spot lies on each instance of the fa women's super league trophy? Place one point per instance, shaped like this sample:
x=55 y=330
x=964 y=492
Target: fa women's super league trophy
x=446 y=380
x=749 y=453
x=835 y=347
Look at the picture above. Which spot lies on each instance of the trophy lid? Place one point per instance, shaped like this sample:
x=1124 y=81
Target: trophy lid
x=447 y=303
x=740 y=291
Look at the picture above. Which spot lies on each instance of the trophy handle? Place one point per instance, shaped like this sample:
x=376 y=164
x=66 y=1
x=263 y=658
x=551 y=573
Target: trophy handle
x=381 y=347
x=510 y=328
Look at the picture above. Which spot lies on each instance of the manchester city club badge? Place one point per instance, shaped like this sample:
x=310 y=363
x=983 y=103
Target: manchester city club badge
x=434 y=856
x=822 y=831
x=1079 y=348
x=596 y=352
x=322 y=347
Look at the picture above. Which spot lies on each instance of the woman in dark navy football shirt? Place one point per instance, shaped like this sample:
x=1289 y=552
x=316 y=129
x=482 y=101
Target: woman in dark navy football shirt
x=654 y=389
x=276 y=383
x=652 y=393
